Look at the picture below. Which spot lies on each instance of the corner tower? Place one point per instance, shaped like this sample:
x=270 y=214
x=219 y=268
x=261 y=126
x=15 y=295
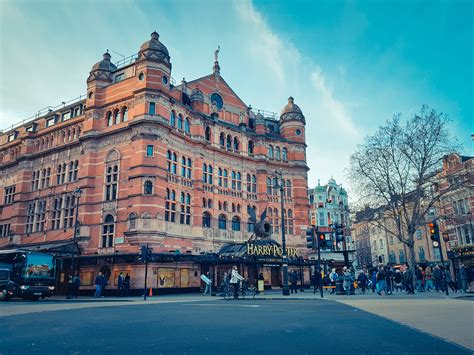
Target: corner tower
x=292 y=122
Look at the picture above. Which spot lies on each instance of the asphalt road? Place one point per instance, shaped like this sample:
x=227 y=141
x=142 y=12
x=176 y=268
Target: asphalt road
x=223 y=327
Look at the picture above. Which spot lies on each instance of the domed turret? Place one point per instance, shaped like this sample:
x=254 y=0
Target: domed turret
x=154 y=50
x=102 y=70
x=291 y=111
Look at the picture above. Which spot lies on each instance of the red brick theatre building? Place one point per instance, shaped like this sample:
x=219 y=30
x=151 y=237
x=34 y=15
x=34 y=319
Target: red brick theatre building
x=172 y=166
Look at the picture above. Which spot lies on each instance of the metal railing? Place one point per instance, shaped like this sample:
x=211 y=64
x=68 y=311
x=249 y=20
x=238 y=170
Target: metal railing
x=126 y=61
x=266 y=114
x=43 y=112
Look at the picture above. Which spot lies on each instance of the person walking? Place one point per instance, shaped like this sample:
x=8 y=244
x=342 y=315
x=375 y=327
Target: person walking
x=464 y=278
x=293 y=281
x=76 y=283
x=419 y=279
x=381 y=281
x=389 y=279
x=408 y=280
x=235 y=279
x=70 y=291
x=437 y=278
x=346 y=283
x=362 y=280
x=126 y=284
x=428 y=279
x=98 y=285
x=398 y=281
x=333 y=277
x=120 y=281
x=374 y=280
x=316 y=280
x=207 y=289
x=449 y=280
x=105 y=282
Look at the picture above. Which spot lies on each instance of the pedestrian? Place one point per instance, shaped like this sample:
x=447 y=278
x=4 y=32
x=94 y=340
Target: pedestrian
x=419 y=279
x=316 y=280
x=98 y=285
x=293 y=281
x=235 y=279
x=69 y=286
x=374 y=280
x=362 y=280
x=408 y=280
x=333 y=277
x=398 y=281
x=389 y=279
x=120 y=281
x=428 y=279
x=449 y=280
x=260 y=283
x=126 y=284
x=105 y=282
x=347 y=278
x=464 y=278
x=381 y=281
x=207 y=289
x=76 y=283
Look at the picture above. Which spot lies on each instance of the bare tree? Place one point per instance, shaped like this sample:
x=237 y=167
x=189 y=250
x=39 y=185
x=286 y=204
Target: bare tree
x=396 y=169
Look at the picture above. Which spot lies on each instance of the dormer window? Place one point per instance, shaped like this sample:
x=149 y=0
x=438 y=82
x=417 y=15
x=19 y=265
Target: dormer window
x=12 y=136
x=65 y=116
x=31 y=128
x=50 y=121
x=119 y=77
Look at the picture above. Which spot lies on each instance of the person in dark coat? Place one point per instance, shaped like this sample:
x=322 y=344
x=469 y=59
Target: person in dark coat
x=126 y=284
x=70 y=291
x=316 y=281
x=293 y=281
x=105 y=282
x=362 y=280
x=98 y=284
x=76 y=283
x=408 y=280
x=120 y=281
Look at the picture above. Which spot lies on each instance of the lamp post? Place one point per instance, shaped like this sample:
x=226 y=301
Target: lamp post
x=77 y=194
x=279 y=184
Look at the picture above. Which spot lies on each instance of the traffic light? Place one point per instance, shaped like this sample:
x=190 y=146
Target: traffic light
x=434 y=233
x=322 y=241
x=143 y=254
x=149 y=254
x=310 y=238
x=339 y=231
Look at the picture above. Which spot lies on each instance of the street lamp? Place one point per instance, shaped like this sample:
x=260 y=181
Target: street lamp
x=77 y=194
x=279 y=184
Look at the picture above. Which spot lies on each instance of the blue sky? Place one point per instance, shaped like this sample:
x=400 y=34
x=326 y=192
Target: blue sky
x=349 y=65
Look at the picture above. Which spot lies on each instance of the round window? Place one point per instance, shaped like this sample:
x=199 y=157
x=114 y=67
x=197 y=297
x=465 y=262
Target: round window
x=141 y=76
x=217 y=100
x=298 y=132
x=164 y=79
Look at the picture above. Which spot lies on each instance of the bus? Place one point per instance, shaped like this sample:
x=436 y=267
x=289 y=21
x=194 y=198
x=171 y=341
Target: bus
x=27 y=274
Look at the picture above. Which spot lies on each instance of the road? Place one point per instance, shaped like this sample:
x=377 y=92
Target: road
x=193 y=326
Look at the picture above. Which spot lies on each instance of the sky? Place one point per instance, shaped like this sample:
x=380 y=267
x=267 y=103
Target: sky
x=350 y=65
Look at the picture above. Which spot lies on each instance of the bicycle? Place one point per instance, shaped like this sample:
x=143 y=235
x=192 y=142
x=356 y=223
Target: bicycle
x=244 y=292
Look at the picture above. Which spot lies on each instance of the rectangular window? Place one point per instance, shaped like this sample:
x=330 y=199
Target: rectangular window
x=111 y=183
x=436 y=254
x=56 y=213
x=12 y=137
x=9 y=195
x=68 y=212
x=321 y=219
x=65 y=116
x=149 y=150
x=418 y=234
x=50 y=122
x=119 y=77
x=4 y=230
x=31 y=128
x=40 y=216
x=30 y=217
x=151 y=110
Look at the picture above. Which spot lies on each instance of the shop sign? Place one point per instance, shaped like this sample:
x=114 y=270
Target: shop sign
x=464 y=251
x=119 y=240
x=270 y=250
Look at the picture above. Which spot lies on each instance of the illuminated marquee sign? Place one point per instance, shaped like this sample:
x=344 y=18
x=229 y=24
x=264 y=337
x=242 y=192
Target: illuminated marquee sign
x=270 y=250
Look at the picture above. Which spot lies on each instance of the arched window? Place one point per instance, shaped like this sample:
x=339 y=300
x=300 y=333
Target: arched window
x=110 y=122
x=222 y=139
x=180 y=121
x=254 y=184
x=250 y=226
x=238 y=208
x=209 y=175
x=269 y=186
x=222 y=222
x=148 y=188
x=206 y=220
x=277 y=153
x=219 y=177
x=208 y=134
x=236 y=143
x=204 y=202
x=250 y=148
x=225 y=178
x=224 y=206
x=275 y=220
x=275 y=186
x=270 y=152
x=187 y=126
x=233 y=207
x=229 y=142
x=285 y=154
x=116 y=116
x=173 y=118
x=249 y=183
x=108 y=230
x=236 y=223
x=125 y=114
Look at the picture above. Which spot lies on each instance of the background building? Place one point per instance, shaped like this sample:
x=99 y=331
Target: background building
x=175 y=166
